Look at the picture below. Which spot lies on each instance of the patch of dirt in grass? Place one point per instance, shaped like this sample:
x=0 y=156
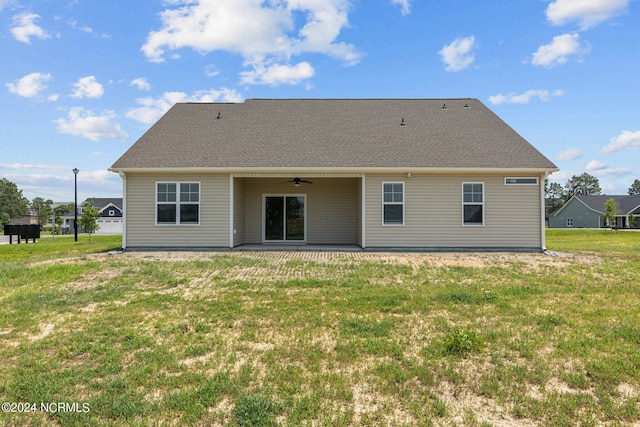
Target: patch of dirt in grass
x=189 y=362
x=46 y=330
x=366 y=401
x=558 y=386
x=91 y=308
x=91 y=280
x=627 y=390
x=458 y=400
x=416 y=259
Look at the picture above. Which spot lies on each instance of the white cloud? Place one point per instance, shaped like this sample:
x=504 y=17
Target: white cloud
x=264 y=33
x=76 y=26
x=211 y=71
x=569 y=154
x=595 y=165
x=606 y=172
x=24 y=28
x=141 y=83
x=22 y=166
x=627 y=140
x=524 y=98
x=405 y=6
x=587 y=12
x=87 y=87
x=151 y=109
x=278 y=74
x=457 y=54
x=82 y=122
x=558 y=51
x=30 y=85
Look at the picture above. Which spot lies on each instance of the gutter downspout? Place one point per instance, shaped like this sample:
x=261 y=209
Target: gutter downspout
x=543 y=209
x=123 y=175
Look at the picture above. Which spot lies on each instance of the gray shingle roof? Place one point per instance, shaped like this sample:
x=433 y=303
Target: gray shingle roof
x=332 y=133
x=102 y=202
x=625 y=204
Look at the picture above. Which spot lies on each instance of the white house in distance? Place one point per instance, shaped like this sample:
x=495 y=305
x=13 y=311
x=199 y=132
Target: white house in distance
x=375 y=173
x=110 y=220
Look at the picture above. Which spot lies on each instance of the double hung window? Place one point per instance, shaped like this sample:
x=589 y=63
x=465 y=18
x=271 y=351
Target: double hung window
x=178 y=203
x=473 y=203
x=393 y=203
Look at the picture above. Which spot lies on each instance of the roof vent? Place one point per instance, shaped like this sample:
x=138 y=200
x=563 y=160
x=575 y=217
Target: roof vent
x=219 y=116
x=402 y=123
x=444 y=107
x=466 y=106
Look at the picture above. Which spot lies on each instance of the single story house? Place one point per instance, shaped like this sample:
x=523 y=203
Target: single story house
x=588 y=212
x=375 y=173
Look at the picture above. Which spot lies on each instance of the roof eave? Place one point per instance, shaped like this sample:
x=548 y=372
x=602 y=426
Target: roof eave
x=288 y=170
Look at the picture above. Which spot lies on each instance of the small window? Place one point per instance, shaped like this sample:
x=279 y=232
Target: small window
x=174 y=210
x=112 y=212
x=521 y=181
x=569 y=222
x=473 y=203
x=393 y=203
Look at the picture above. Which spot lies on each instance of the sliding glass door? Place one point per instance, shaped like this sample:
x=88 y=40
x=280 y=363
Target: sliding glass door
x=284 y=218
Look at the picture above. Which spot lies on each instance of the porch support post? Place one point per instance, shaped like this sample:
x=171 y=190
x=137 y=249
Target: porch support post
x=231 y=208
x=363 y=197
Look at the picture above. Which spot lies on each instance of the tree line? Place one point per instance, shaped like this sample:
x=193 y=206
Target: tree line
x=578 y=185
x=14 y=205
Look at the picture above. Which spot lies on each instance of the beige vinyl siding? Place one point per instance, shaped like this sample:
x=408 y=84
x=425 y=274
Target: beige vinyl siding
x=330 y=212
x=433 y=213
x=213 y=231
x=238 y=211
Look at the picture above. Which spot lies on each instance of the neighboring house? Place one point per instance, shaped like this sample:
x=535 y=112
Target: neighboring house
x=588 y=212
x=110 y=220
x=376 y=173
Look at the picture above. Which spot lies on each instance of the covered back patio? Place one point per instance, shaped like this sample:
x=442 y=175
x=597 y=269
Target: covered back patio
x=281 y=211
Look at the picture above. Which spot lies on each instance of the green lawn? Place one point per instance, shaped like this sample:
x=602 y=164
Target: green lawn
x=328 y=339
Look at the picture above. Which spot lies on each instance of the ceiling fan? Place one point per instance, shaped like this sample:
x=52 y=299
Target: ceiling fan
x=297 y=181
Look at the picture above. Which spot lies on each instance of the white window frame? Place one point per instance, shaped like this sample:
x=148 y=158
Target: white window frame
x=112 y=212
x=516 y=178
x=569 y=222
x=177 y=204
x=464 y=224
x=394 y=203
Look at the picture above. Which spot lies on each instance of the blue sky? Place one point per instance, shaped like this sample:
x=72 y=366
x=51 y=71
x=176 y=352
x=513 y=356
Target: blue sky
x=82 y=80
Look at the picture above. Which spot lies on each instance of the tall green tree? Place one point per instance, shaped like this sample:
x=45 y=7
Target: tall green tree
x=554 y=195
x=12 y=202
x=610 y=212
x=582 y=185
x=43 y=210
x=634 y=190
x=89 y=218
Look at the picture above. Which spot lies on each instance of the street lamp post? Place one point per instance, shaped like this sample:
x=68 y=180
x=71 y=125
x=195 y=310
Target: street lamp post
x=75 y=204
